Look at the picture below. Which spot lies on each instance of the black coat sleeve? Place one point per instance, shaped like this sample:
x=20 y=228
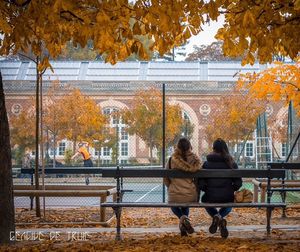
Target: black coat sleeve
x=202 y=183
x=236 y=182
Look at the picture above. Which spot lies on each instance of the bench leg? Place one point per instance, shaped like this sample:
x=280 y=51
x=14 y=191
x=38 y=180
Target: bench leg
x=269 y=213
x=255 y=194
x=102 y=209
x=117 y=211
x=263 y=194
x=283 y=197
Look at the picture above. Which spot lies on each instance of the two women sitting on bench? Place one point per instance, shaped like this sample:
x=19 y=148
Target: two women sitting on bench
x=215 y=190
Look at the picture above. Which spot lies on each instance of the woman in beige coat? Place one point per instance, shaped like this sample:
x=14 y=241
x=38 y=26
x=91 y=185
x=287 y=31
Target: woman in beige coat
x=183 y=190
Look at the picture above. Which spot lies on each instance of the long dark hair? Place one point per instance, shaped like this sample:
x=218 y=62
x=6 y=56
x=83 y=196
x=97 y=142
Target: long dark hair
x=220 y=146
x=184 y=145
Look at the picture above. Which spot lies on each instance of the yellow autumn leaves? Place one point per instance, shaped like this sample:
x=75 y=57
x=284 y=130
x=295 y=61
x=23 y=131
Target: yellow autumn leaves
x=251 y=29
x=281 y=82
x=234 y=117
x=144 y=118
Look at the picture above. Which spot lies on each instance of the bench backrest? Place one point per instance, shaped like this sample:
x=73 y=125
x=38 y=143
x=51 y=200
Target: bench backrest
x=160 y=173
x=286 y=166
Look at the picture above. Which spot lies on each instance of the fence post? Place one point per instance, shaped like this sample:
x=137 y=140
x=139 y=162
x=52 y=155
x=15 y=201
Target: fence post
x=164 y=134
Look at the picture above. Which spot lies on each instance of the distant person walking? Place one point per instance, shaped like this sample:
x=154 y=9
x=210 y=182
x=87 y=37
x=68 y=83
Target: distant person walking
x=219 y=190
x=87 y=162
x=27 y=160
x=183 y=190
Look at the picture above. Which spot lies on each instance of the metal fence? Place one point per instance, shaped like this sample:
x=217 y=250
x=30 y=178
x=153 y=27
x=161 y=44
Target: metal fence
x=148 y=107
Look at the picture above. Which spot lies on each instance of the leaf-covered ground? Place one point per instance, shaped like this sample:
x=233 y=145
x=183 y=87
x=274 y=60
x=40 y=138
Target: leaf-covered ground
x=149 y=217
x=142 y=240
x=166 y=242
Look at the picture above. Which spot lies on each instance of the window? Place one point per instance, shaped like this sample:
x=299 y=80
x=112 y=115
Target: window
x=124 y=134
x=61 y=148
x=51 y=151
x=124 y=149
x=249 y=150
x=124 y=161
x=115 y=117
x=283 y=149
x=106 y=111
x=97 y=152
x=106 y=151
x=187 y=127
x=239 y=148
x=105 y=161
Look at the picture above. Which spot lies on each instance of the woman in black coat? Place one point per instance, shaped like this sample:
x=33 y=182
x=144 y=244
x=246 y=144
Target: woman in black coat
x=219 y=190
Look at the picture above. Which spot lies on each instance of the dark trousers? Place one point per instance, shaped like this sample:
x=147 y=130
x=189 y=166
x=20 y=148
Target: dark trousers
x=87 y=163
x=223 y=211
x=179 y=211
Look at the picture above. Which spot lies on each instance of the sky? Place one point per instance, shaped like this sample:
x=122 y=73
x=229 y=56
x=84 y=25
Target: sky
x=205 y=37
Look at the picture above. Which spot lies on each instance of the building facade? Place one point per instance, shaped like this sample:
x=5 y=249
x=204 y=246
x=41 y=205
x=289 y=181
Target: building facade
x=195 y=86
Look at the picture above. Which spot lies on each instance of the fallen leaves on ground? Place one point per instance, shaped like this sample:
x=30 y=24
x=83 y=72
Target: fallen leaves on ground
x=164 y=242
x=149 y=217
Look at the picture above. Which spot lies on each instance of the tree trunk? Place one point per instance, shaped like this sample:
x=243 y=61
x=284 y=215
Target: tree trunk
x=7 y=212
x=37 y=134
x=54 y=151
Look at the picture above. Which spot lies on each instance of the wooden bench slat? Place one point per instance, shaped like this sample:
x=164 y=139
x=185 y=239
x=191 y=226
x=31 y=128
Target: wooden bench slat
x=65 y=187
x=160 y=173
x=285 y=189
x=64 y=193
x=287 y=166
x=195 y=205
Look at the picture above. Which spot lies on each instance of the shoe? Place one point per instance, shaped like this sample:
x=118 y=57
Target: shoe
x=214 y=225
x=182 y=229
x=187 y=224
x=183 y=232
x=223 y=228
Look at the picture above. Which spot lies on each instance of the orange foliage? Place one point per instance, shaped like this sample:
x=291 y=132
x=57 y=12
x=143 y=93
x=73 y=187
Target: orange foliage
x=80 y=117
x=234 y=118
x=251 y=28
x=144 y=118
x=278 y=83
x=22 y=129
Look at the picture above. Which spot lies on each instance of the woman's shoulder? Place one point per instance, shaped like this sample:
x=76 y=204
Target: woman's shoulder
x=215 y=157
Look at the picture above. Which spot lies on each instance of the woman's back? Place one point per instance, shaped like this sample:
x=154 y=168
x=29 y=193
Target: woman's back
x=219 y=190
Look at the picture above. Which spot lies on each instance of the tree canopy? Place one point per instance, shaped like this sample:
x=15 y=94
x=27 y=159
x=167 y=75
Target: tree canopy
x=234 y=118
x=263 y=27
x=281 y=82
x=144 y=118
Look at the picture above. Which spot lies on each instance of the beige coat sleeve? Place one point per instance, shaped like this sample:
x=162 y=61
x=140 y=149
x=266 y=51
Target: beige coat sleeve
x=167 y=181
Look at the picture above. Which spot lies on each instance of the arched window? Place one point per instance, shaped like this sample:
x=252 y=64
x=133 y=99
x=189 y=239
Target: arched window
x=187 y=128
x=120 y=152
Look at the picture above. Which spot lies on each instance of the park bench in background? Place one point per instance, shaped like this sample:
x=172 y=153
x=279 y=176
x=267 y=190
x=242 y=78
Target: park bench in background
x=286 y=185
x=161 y=173
x=101 y=191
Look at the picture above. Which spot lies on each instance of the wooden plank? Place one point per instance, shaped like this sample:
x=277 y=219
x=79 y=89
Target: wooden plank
x=279 y=184
x=65 y=187
x=195 y=205
x=287 y=166
x=56 y=193
x=102 y=208
x=286 y=190
x=160 y=173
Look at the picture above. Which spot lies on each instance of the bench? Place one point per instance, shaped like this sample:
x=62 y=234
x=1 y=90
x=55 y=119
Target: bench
x=118 y=174
x=69 y=191
x=286 y=186
x=276 y=186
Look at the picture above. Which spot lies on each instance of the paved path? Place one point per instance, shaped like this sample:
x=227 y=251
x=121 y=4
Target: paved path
x=171 y=229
